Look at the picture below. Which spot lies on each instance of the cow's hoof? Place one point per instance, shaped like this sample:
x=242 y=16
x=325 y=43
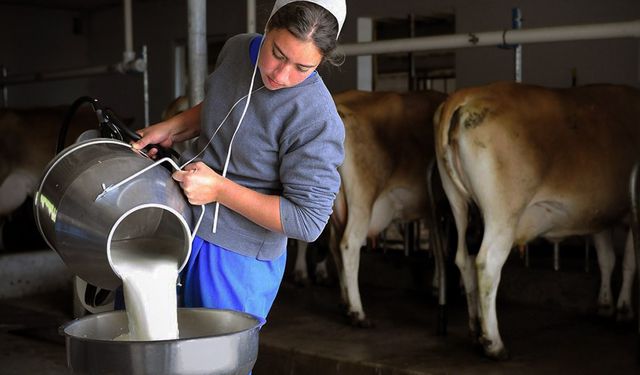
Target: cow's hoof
x=498 y=353
x=474 y=331
x=358 y=322
x=474 y=336
x=435 y=291
x=606 y=311
x=624 y=314
x=323 y=280
x=301 y=280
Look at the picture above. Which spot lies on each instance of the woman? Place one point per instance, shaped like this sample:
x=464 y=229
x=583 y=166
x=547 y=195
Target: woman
x=281 y=178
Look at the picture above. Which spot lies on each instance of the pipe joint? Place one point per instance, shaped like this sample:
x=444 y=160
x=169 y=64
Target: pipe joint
x=132 y=66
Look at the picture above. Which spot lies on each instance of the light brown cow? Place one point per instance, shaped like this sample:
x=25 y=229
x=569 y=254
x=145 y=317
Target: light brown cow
x=537 y=162
x=177 y=106
x=28 y=143
x=388 y=145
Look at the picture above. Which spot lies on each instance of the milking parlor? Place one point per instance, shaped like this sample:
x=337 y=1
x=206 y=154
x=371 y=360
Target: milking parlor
x=330 y=187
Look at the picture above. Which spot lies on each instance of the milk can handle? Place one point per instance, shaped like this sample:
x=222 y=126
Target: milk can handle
x=107 y=189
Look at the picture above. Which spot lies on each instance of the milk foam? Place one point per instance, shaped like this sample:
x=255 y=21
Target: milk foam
x=149 y=271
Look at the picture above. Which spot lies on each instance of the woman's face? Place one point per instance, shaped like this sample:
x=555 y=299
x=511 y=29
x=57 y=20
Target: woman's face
x=286 y=61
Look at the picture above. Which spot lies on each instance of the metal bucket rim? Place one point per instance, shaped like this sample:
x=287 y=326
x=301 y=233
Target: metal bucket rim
x=62 y=330
x=185 y=228
x=64 y=153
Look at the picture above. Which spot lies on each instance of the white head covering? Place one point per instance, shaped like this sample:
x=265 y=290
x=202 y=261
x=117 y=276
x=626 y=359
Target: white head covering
x=336 y=7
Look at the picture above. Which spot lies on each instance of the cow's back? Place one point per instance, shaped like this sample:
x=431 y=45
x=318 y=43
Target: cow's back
x=30 y=136
x=388 y=144
x=565 y=151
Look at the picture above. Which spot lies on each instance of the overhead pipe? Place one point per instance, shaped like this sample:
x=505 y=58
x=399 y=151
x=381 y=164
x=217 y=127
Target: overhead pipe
x=129 y=64
x=197 y=41
x=628 y=29
x=20 y=78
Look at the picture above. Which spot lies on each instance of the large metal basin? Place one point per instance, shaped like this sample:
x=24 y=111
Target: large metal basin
x=211 y=342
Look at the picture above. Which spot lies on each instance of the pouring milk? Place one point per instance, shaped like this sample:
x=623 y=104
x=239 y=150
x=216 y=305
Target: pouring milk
x=149 y=271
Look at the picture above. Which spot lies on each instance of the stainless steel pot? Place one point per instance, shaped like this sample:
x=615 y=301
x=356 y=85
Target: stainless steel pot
x=211 y=342
x=87 y=205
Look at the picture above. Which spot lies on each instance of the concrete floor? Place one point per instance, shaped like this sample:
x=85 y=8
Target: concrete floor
x=307 y=334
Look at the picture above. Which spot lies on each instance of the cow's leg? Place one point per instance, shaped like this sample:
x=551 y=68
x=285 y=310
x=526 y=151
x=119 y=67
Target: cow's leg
x=322 y=273
x=624 y=306
x=334 y=249
x=349 y=252
x=15 y=189
x=494 y=251
x=603 y=242
x=465 y=263
x=467 y=267
x=300 y=274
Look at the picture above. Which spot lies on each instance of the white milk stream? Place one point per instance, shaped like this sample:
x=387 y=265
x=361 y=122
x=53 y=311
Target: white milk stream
x=149 y=272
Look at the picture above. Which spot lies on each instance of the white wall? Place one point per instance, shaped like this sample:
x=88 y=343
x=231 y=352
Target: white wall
x=41 y=39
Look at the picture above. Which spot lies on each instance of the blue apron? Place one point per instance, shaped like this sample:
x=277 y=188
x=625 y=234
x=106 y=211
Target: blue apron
x=218 y=278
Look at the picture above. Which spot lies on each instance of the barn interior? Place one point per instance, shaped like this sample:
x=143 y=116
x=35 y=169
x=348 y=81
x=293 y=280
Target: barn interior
x=55 y=51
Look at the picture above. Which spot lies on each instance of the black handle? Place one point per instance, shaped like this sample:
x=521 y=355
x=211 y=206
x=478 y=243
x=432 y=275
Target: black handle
x=115 y=125
x=110 y=127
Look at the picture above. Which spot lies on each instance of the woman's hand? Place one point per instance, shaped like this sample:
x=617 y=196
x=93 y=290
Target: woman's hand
x=181 y=127
x=158 y=134
x=201 y=184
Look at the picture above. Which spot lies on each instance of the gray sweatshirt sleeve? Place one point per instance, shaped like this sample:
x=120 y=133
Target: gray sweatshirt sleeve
x=310 y=178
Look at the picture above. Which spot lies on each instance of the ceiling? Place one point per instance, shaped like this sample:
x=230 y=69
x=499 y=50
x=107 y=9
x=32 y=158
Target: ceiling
x=81 y=5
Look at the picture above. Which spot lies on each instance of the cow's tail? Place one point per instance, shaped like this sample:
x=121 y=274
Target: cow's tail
x=447 y=134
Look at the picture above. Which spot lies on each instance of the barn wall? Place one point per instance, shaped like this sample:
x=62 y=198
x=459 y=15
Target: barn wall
x=42 y=39
x=548 y=64
x=28 y=47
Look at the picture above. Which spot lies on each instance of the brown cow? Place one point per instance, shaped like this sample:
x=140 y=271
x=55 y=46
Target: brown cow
x=28 y=143
x=388 y=145
x=537 y=162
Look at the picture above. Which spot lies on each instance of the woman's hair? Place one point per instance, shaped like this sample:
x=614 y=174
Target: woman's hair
x=309 y=21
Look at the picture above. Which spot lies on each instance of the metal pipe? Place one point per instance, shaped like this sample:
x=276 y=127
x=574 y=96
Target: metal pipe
x=251 y=16
x=16 y=79
x=145 y=86
x=556 y=256
x=517 y=25
x=128 y=53
x=5 y=91
x=197 y=41
x=435 y=235
x=635 y=230
x=628 y=29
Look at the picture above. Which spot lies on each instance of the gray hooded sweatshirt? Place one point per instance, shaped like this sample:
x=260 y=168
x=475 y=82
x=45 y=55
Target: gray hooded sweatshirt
x=289 y=144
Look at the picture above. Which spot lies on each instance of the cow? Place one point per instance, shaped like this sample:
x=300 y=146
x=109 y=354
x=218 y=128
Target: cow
x=175 y=107
x=537 y=162
x=28 y=143
x=388 y=146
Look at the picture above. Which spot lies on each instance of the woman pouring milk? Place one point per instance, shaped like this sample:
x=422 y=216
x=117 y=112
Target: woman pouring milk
x=265 y=163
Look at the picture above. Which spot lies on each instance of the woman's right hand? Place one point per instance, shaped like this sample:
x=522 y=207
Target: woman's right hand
x=158 y=134
x=181 y=127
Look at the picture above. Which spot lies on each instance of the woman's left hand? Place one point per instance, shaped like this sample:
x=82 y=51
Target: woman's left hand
x=200 y=183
